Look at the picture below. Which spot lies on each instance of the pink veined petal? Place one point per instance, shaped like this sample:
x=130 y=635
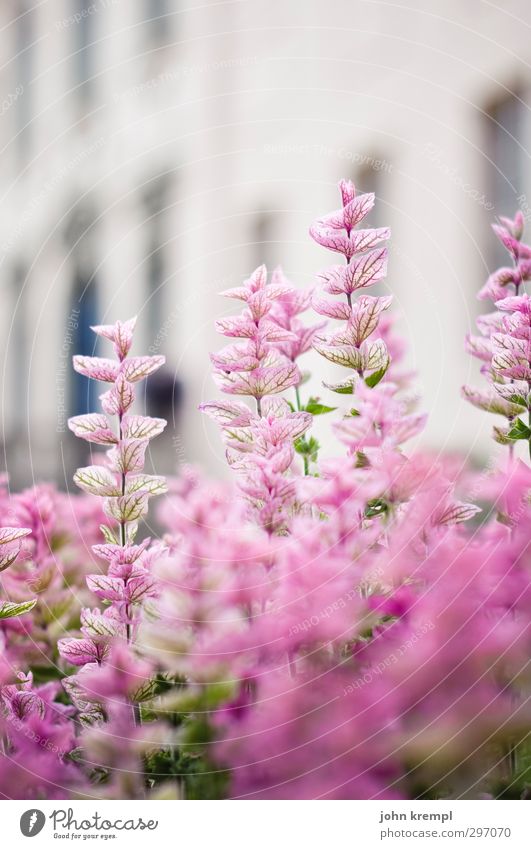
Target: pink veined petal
x=236 y=326
x=128 y=508
x=83 y=651
x=259 y=304
x=348 y=191
x=96 y=624
x=140 y=588
x=142 y=427
x=515 y=225
x=120 y=334
x=8 y=555
x=120 y=398
x=9 y=535
x=516 y=248
x=93 y=427
x=97 y=480
x=332 y=309
x=109 y=589
x=239 y=293
x=357 y=242
x=456 y=513
x=261 y=381
x=350 y=215
x=97 y=368
x=479 y=347
x=138 y=368
x=149 y=484
x=366 y=270
x=224 y=412
x=493 y=402
x=122 y=554
x=515 y=303
x=128 y=455
x=238 y=357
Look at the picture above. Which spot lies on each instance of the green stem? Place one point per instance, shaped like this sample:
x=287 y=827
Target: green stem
x=513 y=759
x=298 y=397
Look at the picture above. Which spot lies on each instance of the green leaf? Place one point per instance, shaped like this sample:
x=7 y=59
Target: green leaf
x=307 y=447
x=346 y=387
x=362 y=461
x=317 y=409
x=500 y=435
x=519 y=430
x=10 y=609
x=376 y=507
x=374 y=379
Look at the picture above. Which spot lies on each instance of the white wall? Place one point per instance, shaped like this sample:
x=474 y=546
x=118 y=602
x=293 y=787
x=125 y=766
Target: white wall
x=254 y=107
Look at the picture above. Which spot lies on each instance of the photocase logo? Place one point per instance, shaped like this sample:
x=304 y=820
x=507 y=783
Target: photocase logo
x=32 y=822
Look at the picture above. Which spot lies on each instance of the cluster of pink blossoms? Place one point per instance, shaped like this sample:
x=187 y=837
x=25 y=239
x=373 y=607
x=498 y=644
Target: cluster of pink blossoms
x=113 y=678
x=366 y=646
x=260 y=444
x=329 y=626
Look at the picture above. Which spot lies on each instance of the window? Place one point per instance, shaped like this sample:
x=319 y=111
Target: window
x=83 y=49
x=369 y=178
x=506 y=163
x=23 y=73
x=158 y=20
x=84 y=392
x=18 y=347
x=154 y=201
x=262 y=241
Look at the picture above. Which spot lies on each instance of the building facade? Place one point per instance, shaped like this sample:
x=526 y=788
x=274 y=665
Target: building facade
x=153 y=153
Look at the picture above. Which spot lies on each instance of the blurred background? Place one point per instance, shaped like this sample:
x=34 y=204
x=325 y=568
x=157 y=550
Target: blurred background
x=155 y=152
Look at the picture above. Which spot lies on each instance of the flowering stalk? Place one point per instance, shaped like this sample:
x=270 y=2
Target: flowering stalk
x=260 y=445
x=380 y=419
x=365 y=266
x=504 y=347
x=120 y=481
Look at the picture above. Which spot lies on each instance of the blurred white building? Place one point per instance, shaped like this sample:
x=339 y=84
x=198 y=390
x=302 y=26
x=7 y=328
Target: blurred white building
x=154 y=152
